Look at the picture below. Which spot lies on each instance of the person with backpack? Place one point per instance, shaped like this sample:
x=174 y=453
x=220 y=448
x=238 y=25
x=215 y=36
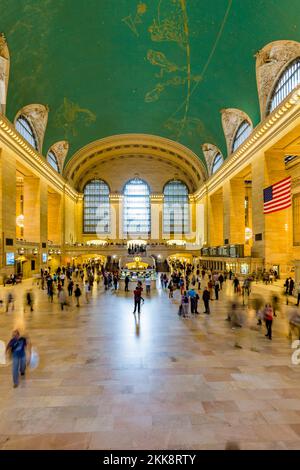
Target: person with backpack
x=17 y=347
x=77 y=294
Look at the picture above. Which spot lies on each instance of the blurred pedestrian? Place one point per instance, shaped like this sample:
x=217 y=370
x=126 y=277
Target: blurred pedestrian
x=17 y=348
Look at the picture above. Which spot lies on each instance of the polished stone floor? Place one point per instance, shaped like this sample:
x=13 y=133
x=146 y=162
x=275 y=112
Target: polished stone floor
x=107 y=381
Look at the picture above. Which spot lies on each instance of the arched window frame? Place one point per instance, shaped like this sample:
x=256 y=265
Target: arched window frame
x=217 y=162
x=140 y=211
x=177 y=205
x=27 y=131
x=287 y=81
x=96 y=207
x=52 y=160
x=242 y=133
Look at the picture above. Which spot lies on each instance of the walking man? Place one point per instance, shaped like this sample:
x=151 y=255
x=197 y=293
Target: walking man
x=17 y=348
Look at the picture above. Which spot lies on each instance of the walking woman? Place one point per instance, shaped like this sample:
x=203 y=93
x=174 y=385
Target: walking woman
x=268 y=316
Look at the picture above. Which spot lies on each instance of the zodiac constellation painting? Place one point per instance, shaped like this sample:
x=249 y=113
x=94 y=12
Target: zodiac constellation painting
x=170 y=25
x=68 y=115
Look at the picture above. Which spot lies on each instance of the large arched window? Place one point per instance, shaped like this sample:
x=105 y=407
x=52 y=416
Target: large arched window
x=243 y=131
x=96 y=211
x=176 y=208
x=288 y=80
x=218 y=160
x=24 y=128
x=137 y=207
x=51 y=158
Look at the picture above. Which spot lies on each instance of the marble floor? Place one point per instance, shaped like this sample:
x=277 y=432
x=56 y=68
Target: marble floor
x=107 y=381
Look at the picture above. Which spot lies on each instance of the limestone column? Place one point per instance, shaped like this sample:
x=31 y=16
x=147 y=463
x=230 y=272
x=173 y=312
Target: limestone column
x=32 y=209
x=115 y=215
x=258 y=219
x=226 y=211
x=156 y=201
x=191 y=237
x=43 y=219
x=7 y=206
x=278 y=228
x=215 y=218
x=79 y=219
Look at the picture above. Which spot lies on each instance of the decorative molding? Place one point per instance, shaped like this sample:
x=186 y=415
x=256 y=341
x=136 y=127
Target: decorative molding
x=121 y=146
x=232 y=118
x=60 y=149
x=271 y=61
x=282 y=117
x=4 y=72
x=210 y=151
x=26 y=154
x=37 y=115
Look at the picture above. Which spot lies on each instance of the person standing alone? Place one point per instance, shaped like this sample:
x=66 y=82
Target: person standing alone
x=137 y=298
x=206 y=299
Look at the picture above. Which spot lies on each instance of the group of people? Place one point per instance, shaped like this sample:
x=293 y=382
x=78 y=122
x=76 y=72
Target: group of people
x=135 y=248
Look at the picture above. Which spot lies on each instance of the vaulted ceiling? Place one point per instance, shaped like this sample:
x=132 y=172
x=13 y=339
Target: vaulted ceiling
x=162 y=67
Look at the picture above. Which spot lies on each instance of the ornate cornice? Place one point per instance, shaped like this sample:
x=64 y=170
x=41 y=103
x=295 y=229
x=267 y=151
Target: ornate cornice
x=26 y=153
x=142 y=144
x=282 y=117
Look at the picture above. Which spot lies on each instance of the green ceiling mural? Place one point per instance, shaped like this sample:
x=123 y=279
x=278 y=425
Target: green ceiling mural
x=163 y=67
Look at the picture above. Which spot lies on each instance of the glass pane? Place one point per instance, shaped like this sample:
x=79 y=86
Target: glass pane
x=289 y=80
x=242 y=134
x=51 y=158
x=217 y=163
x=26 y=131
x=176 y=217
x=96 y=207
x=136 y=207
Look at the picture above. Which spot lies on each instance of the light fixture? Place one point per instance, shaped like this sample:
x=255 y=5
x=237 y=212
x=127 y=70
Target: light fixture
x=20 y=221
x=248 y=233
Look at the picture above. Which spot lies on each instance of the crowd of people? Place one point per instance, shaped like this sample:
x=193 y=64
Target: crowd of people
x=192 y=285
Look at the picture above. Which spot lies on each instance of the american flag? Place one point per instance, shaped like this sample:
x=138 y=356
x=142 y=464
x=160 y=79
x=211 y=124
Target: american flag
x=278 y=196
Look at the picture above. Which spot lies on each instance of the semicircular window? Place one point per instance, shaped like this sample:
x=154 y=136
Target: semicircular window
x=96 y=207
x=137 y=217
x=243 y=132
x=218 y=160
x=51 y=158
x=176 y=214
x=288 y=80
x=25 y=129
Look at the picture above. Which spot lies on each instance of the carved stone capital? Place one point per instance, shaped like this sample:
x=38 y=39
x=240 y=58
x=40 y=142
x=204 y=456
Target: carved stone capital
x=209 y=152
x=4 y=72
x=270 y=63
x=232 y=118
